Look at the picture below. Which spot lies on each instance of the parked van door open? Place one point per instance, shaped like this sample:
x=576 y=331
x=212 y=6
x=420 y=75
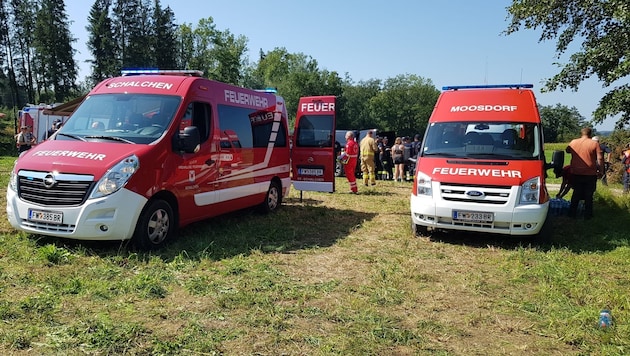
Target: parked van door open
x=313 y=152
x=152 y=151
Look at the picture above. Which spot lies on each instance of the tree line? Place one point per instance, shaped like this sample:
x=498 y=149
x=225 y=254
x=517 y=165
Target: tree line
x=38 y=65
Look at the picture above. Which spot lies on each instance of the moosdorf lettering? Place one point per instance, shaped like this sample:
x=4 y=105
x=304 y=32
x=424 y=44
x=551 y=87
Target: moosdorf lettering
x=467 y=108
x=477 y=172
x=76 y=154
x=146 y=84
x=317 y=107
x=235 y=97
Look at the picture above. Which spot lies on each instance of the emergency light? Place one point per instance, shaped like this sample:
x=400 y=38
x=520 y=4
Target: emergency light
x=490 y=86
x=192 y=73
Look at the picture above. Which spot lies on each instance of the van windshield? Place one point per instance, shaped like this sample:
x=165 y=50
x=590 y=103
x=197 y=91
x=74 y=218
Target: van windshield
x=493 y=140
x=130 y=118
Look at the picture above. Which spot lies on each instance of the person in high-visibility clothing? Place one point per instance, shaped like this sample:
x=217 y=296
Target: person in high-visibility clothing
x=368 y=149
x=351 y=153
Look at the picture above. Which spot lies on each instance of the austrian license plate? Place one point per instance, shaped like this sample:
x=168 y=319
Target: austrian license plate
x=45 y=216
x=474 y=216
x=311 y=171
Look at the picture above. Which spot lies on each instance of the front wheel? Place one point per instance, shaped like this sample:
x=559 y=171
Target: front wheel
x=155 y=226
x=419 y=230
x=273 y=198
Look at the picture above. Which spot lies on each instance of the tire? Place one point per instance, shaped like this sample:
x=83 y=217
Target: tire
x=155 y=226
x=419 y=230
x=273 y=198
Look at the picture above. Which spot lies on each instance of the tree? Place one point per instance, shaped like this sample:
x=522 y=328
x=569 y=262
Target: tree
x=603 y=27
x=165 y=37
x=405 y=104
x=560 y=123
x=101 y=42
x=354 y=112
x=54 y=52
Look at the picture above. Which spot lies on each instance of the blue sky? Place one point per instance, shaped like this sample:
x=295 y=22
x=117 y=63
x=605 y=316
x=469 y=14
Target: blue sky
x=450 y=42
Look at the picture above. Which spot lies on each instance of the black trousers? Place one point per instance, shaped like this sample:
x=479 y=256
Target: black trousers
x=583 y=189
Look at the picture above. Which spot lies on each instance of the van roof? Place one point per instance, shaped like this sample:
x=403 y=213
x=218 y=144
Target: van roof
x=513 y=103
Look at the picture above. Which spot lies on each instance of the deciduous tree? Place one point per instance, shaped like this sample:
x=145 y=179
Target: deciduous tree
x=603 y=30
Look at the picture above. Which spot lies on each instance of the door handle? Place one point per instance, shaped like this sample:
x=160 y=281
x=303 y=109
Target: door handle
x=210 y=162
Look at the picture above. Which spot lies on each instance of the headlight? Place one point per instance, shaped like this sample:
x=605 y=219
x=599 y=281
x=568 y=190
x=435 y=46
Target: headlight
x=530 y=191
x=424 y=184
x=13 y=178
x=116 y=177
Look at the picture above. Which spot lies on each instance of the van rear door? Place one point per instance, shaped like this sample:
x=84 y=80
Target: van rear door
x=312 y=155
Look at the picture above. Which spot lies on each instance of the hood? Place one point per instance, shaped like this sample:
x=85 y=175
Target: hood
x=76 y=157
x=481 y=172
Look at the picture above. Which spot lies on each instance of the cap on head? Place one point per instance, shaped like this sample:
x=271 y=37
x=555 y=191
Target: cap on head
x=56 y=121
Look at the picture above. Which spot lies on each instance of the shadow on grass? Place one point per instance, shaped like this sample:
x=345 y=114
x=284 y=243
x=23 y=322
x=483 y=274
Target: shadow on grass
x=292 y=227
x=606 y=231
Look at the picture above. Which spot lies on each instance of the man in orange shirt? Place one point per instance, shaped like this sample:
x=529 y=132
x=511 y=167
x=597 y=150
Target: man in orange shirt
x=587 y=165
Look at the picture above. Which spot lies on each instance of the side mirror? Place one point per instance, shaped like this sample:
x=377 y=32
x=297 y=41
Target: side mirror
x=188 y=141
x=557 y=162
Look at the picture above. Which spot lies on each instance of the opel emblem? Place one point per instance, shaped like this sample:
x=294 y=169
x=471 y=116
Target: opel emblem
x=49 y=181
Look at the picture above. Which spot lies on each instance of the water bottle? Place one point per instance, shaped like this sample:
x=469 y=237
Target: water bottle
x=605 y=320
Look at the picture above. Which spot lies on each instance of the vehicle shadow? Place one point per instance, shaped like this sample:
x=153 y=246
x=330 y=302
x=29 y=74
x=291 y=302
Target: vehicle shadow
x=242 y=232
x=601 y=233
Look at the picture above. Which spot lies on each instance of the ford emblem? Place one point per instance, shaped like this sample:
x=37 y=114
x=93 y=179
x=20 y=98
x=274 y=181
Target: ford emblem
x=474 y=193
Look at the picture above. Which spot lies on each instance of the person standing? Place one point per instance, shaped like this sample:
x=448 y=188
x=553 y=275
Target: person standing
x=398 y=154
x=56 y=124
x=368 y=149
x=625 y=160
x=25 y=139
x=606 y=152
x=352 y=152
x=385 y=153
x=586 y=165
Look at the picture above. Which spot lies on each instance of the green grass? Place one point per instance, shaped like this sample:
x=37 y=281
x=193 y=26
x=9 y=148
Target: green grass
x=328 y=274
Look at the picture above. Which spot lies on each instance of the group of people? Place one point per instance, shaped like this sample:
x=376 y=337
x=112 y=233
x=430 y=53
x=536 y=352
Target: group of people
x=376 y=156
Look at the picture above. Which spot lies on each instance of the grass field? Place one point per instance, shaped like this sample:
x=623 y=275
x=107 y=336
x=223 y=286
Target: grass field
x=328 y=274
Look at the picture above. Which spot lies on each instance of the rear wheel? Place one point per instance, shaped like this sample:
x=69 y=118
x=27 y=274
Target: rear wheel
x=273 y=198
x=155 y=226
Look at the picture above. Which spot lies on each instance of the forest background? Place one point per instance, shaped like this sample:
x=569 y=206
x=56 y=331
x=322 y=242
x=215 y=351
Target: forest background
x=38 y=65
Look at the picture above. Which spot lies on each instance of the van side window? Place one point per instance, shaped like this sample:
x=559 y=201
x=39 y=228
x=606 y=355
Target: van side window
x=199 y=114
x=252 y=128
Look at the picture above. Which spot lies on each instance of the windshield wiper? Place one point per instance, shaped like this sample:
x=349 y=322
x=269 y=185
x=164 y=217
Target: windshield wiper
x=445 y=154
x=72 y=136
x=113 y=138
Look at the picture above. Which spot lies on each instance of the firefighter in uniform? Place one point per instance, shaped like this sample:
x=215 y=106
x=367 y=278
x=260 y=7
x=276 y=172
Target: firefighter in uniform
x=368 y=149
x=350 y=161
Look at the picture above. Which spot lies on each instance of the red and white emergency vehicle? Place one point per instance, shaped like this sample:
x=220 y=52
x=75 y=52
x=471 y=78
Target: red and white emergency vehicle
x=144 y=154
x=482 y=166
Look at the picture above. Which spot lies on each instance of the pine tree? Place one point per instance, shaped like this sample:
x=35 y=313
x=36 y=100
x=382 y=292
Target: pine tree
x=54 y=52
x=101 y=42
x=165 y=37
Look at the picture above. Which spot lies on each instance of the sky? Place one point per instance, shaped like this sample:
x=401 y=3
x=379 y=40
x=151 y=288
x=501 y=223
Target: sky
x=450 y=42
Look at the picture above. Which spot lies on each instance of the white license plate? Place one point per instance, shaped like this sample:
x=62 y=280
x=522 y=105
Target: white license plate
x=472 y=216
x=311 y=171
x=45 y=216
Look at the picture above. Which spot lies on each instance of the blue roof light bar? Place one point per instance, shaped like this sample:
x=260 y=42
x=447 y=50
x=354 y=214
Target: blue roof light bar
x=491 y=86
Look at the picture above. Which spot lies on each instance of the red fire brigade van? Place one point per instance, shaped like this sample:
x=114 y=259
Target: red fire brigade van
x=145 y=154
x=482 y=167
